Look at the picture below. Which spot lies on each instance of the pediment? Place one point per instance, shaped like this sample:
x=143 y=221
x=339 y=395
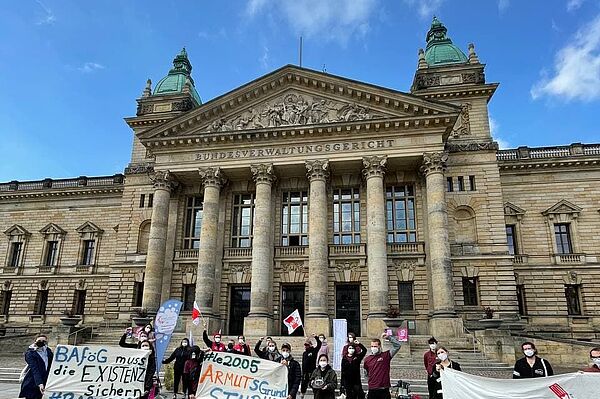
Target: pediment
x=16 y=230
x=52 y=228
x=511 y=209
x=89 y=227
x=563 y=207
x=293 y=96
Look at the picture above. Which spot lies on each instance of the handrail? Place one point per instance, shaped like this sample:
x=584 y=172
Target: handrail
x=77 y=332
x=472 y=334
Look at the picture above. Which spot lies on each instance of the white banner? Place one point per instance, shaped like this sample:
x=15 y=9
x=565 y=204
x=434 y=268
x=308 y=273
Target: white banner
x=96 y=372
x=228 y=375
x=458 y=385
x=340 y=337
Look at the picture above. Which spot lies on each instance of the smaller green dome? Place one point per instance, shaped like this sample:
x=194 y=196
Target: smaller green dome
x=176 y=80
x=440 y=50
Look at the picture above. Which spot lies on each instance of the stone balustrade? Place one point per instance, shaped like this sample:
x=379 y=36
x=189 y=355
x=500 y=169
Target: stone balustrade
x=573 y=150
x=281 y=252
x=77 y=182
x=569 y=259
x=238 y=252
x=351 y=249
x=406 y=248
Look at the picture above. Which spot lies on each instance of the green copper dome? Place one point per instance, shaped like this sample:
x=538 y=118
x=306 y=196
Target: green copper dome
x=440 y=50
x=175 y=81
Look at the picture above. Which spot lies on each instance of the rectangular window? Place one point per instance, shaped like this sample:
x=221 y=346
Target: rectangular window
x=346 y=216
x=142 y=200
x=243 y=220
x=5 y=302
x=470 y=294
x=449 y=184
x=511 y=239
x=41 y=301
x=573 y=297
x=150 y=200
x=405 y=296
x=461 y=183
x=187 y=297
x=563 y=238
x=79 y=302
x=51 y=253
x=400 y=214
x=193 y=223
x=294 y=218
x=138 y=293
x=88 y=252
x=472 y=183
x=521 y=300
x=15 y=254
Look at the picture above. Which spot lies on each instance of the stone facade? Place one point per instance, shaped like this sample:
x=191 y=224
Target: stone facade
x=321 y=193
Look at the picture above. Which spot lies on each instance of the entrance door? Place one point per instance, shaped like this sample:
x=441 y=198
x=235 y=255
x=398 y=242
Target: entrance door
x=347 y=305
x=239 y=307
x=292 y=298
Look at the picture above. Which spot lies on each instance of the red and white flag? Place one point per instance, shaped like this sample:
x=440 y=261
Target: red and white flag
x=293 y=321
x=196 y=314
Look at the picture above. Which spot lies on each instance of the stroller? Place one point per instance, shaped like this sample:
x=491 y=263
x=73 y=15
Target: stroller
x=402 y=391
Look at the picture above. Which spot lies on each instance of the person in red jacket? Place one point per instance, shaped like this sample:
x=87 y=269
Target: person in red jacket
x=595 y=358
x=378 y=365
x=191 y=371
x=216 y=345
x=429 y=359
x=242 y=348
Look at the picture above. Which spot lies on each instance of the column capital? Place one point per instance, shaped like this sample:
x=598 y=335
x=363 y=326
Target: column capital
x=212 y=177
x=374 y=165
x=263 y=173
x=163 y=180
x=317 y=169
x=434 y=162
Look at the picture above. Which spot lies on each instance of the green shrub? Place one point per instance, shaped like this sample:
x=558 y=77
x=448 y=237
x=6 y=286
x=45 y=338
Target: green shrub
x=168 y=381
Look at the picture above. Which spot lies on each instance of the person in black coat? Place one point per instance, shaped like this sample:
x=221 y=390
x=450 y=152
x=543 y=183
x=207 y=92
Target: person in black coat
x=531 y=366
x=309 y=361
x=442 y=363
x=294 y=373
x=39 y=359
x=180 y=355
x=323 y=380
x=150 y=368
x=351 y=383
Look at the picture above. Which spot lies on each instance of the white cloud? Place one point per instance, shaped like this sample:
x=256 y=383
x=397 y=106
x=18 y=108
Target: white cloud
x=576 y=72
x=573 y=5
x=264 y=59
x=48 y=18
x=89 y=67
x=494 y=127
x=503 y=5
x=331 y=20
x=425 y=8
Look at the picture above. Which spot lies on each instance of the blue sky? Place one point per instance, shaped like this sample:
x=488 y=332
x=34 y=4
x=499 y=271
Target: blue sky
x=70 y=71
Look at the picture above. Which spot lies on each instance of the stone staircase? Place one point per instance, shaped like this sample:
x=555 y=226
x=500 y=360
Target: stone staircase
x=9 y=374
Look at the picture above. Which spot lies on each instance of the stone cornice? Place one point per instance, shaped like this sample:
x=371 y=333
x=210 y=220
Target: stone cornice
x=62 y=193
x=434 y=162
x=445 y=93
x=263 y=173
x=317 y=169
x=374 y=165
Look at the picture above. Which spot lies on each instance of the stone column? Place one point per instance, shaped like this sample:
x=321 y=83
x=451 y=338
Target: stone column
x=260 y=318
x=377 y=263
x=212 y=180
x=317 y=318
x=155 y=258
x=444 y=321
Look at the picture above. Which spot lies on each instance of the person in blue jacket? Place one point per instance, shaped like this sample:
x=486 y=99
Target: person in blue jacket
x=39 y=359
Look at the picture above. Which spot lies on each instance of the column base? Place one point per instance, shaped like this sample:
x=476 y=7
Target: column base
x=375 y=326
x=260 y=326
x=317 y=324
x=446 y=325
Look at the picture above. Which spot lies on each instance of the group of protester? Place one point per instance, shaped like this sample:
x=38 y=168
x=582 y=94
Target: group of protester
x=315 y=370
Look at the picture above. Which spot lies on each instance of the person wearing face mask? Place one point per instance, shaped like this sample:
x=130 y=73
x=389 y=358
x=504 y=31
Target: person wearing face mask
x=230 y=346
x=149 y=330
x=242 y=348
x=324 y=350
x=216 y=345
x=191 y=371
x=181 y=354
x=142 y=337
x=323 y=380
x=270 y=353
x=351 y=341
x=595 y=359
x=443 y=362
x=150 y=368
x=39 y=359
x=531 y=366
x=309 y=362
x=429 y=359
x=294 y=373
x=378 y=365
x=350 y=381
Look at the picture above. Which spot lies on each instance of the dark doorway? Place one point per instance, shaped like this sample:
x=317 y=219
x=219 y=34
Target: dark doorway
x=239 y=308
x=347 y=305
x=292 y=298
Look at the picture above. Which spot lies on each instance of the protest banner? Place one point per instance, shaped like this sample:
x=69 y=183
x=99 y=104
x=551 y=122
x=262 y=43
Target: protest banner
x=340 y=337
x=458 y=385
x=230 y=376
x=92 y=372
x=164 y=324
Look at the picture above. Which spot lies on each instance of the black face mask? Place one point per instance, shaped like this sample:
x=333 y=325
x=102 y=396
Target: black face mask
x=40 y=343
x=230 y=346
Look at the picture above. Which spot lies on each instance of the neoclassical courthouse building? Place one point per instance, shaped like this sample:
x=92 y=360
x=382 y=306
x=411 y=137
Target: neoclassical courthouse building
x=305 y=190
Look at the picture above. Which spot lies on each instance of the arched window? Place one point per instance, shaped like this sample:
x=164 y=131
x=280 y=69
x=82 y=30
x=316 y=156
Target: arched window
x=143 y=237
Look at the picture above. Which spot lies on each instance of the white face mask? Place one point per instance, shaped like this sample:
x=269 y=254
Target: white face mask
x=285 y=354
x=529 y=352
x=596 y=361
x=217 y=339
x=374 y=350
x=143 y=339
x=193 y=356
x=323 y=364
x=442 y=356
x=241 y=340
x=147 y=329
x=350 y=339
x=322 y=339
x=432 y=346
x=351 y=351
x=146 y=348
x=271 y=349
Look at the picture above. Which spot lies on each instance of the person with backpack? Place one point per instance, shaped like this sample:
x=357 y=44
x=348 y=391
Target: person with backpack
x=35 y=375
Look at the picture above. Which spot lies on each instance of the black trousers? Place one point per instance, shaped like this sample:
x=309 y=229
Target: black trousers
x=382 y=393
x=304 y=384
x=177 y=374
x=432 y=387
x=354 y=392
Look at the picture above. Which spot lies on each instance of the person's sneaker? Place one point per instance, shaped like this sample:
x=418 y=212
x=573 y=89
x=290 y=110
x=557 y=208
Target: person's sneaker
x=301 y=395
x=174 y=396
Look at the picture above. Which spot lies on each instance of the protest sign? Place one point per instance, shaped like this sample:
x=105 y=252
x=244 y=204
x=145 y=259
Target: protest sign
x=92 y=372
x=164 y=324
x=340 y=337
x=457 y=385
x=229 y=376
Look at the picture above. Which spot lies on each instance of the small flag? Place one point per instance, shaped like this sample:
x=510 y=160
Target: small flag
x=196 y=314
x=293 y=321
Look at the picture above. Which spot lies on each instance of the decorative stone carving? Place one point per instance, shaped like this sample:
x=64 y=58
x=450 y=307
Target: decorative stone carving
x=188 y=268
x=434 y=162
x=463 y=125
x=400 y=264
x=184 y=105
x=474 y=77
x=317 y=169
x=374 y=165
x=81 y=284
x=163 y=180
x=139 y=169
x=347 y=265
x=263 y=173
x=212 y=177
x=293 y=267
x=240 y=268
x=43 y=285
x=292 y=109
x=571 y=277
x=7 y=285
x=143 y=109
x=473 y=146
x=426 y=80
